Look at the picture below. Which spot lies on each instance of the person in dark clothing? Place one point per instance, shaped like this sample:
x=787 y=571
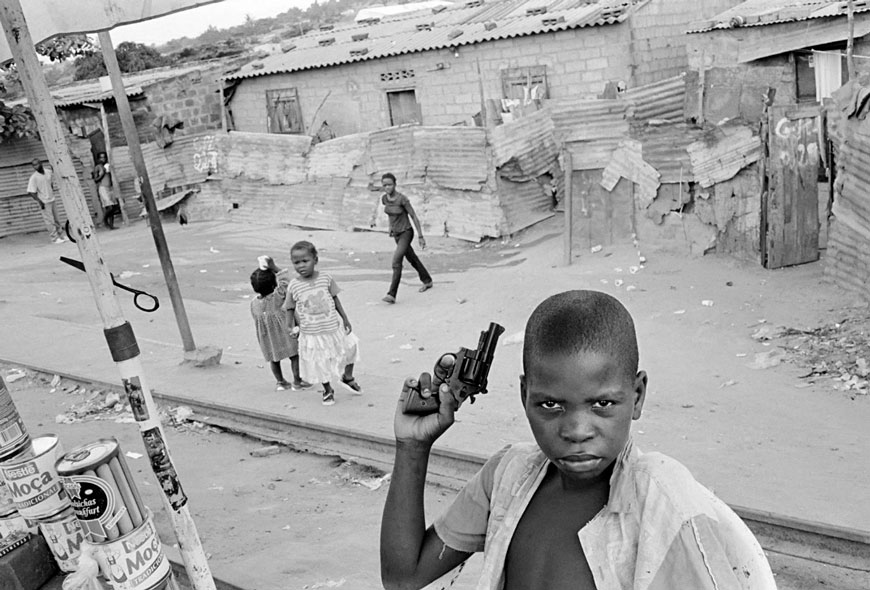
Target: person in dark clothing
x=400 y=213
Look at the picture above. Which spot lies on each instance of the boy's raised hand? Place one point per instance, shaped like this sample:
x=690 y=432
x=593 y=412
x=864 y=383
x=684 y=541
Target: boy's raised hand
x=425 y=429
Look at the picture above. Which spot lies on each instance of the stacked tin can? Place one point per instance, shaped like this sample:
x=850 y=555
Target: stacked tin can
x=31 y=493
x=112 y=516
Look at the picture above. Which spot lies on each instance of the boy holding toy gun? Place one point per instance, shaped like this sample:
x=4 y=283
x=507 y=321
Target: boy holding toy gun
x=581 y=509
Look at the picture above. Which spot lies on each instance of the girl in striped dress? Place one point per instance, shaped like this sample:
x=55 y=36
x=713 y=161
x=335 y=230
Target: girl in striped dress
x=275 y=338
x=327 y=347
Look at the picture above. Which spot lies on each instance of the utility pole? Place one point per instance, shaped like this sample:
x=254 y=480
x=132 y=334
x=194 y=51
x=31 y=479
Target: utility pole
x=132 y=136
x=117 y=330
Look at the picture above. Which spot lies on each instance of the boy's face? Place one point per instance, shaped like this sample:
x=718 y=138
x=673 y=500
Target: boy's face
x=389 y=185
x=580 y=407
x=303 y=262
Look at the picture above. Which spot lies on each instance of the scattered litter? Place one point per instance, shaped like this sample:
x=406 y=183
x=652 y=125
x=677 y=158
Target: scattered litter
x=630 y=288
x=127 y=274
x=596 y=249
x=680 y=312
x=285 y=528
x=394 y=361
x=266 y=451
x=112 y=399
x=687 y=406
x=66 y=419
x=406 y=347
x=214 y=250
x=356 y=259
x=617 y=283
x=327 y=584
x=604 y=281
x=728 y=383
x=14 y=375
x=55 y=381
x=764 y=333
x=203 y=270
x=461 y=300
x=740 y=354
x=133 y=455
x=373 y=483
x=768 y=359
x=633 y=269
x=146 y=265
x=217 y=488
x=388 y=336
x=707 y=303
x=515 y=338
x=181 y=413
x=617 y=269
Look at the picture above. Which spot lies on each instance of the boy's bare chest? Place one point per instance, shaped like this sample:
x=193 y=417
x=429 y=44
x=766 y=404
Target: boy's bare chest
x=545 y=551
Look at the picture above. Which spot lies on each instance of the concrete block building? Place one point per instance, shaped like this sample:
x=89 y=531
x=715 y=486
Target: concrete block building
x=443 y=66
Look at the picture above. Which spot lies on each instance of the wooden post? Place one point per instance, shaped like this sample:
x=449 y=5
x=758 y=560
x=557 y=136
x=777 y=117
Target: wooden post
x=116 y=186
x=702 y=81
x=850 y=42
x=119 y=333
x=142 y=172
x=568 y=199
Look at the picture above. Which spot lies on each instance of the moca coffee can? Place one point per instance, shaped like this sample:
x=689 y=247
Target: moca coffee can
x=102 y=491
x=13 y=435
x=134 y=561
x=33 y=481
x=64 y=536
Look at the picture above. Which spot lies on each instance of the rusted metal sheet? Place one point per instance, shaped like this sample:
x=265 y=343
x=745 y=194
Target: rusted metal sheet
x=317 y=205
x=587 y=120
x=721 y=157
x=627 y=162
x=453 y=157
x=337 y=157
x=659 y=100
x=275 y=158
x=665 y=148
x=528 y=143
x=524 y=203
x=847 y=260
x=392 y=150
x=467 y=215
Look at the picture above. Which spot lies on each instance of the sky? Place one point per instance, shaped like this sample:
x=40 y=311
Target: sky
x=191 y=23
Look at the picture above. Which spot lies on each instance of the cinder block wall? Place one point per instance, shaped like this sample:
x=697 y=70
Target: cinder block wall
x=193 y=98
x=659 y=31
x=578 y=61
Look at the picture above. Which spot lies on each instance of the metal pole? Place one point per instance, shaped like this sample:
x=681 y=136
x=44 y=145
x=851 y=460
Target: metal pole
x=850 y=43
x=118 y=331
x=147 y=195
x=116 y=186
x=568 y=198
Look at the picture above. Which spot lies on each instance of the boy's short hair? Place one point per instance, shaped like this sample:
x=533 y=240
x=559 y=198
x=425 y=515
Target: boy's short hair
x=389 y=175
x=263 y=282
x=581 y=321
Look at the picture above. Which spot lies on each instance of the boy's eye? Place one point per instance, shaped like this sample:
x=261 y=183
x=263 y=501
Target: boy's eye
x=603 y=404
x=549 y=405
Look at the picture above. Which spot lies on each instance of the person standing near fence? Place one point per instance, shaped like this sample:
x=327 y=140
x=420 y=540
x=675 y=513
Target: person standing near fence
x=400 y=213
x=103 y=179
x=40 y=188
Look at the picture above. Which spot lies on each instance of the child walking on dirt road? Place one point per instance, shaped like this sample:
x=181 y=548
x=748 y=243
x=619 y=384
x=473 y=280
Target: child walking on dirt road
x=327 y=346
x=583 y=508
x=270 y=321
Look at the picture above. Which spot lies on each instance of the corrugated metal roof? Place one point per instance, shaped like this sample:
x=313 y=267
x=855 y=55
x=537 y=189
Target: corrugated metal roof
x=463 y=25
x=756 y=13
x=717 y=159
x=528 y=144
x=665 y=148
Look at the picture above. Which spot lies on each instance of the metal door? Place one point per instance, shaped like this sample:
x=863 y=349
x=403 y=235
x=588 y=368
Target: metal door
x=790 y=209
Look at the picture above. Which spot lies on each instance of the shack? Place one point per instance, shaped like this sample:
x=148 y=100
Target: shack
x=472 y=63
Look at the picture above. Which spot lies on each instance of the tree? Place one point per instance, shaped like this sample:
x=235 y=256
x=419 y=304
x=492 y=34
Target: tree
x=132 y=57
x=57 y=49
x=17 y=121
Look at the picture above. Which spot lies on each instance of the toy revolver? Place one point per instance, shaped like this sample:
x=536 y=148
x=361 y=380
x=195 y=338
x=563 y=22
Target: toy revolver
x=467 y=378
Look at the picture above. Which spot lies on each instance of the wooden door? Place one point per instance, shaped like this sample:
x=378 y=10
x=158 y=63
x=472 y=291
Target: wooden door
x=790 y=211
x=404 y=108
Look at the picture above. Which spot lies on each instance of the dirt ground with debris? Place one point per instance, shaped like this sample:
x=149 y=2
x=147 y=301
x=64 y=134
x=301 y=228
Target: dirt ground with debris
x=269 y=518
x=757 y=377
